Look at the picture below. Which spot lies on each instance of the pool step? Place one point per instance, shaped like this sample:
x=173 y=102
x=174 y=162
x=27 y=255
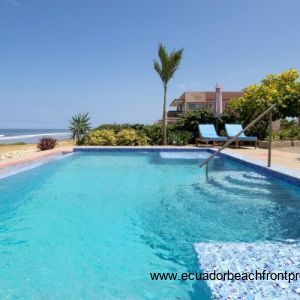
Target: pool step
x=237 y=182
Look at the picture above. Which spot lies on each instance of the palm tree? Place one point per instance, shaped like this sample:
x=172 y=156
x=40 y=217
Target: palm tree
x=166 y=69
x=79 y=126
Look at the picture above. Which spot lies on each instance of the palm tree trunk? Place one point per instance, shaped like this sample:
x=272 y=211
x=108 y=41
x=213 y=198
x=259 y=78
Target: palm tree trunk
x=165 y=117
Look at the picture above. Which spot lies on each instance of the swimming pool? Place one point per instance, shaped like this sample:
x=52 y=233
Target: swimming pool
x=95 y=224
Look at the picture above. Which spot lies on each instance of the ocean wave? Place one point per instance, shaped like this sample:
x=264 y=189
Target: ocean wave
x=2 y=137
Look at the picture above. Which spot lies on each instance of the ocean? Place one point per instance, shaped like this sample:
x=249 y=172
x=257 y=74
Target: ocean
x=10 y=136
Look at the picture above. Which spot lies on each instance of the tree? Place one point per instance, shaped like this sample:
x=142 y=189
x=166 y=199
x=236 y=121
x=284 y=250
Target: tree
x=282 y=89
x=166 y=69
x=79 y=126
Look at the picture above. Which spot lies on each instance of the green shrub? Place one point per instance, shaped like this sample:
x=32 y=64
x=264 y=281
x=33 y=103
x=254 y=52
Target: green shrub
x=139 y=134
x=286 y=124
x=103 y=137
x=154 y=134
x=118 y=127
x=191 y=120
x=228 y=116
x=288 y=130
x=126 y=137
x=107 y=137
x=142 y=139
x=130 y=137
x=286 y=134
x=177 y=137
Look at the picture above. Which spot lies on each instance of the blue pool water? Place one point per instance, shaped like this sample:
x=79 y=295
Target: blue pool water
x=94 y=225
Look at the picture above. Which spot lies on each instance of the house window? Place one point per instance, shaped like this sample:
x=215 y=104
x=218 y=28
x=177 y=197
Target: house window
x=195 y=106
x=211 y=105
x=180 y=108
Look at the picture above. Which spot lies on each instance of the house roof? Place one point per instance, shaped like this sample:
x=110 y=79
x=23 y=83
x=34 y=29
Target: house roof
x=176 y=102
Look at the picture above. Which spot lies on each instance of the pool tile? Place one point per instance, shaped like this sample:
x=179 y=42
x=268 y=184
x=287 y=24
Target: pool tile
x=249 y=257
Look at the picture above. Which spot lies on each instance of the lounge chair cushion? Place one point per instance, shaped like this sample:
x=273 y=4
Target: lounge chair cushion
x=234 y=129
x=208 y=132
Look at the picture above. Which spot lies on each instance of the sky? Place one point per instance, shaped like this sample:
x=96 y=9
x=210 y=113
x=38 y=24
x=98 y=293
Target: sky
x=62 y=57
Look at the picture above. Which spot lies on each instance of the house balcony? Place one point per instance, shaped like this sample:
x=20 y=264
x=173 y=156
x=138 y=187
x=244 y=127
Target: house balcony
x=173 y=116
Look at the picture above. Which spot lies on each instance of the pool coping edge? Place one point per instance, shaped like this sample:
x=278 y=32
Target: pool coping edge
x=275 y=171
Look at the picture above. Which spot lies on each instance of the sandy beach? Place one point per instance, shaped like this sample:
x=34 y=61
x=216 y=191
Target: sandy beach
x=16 y=151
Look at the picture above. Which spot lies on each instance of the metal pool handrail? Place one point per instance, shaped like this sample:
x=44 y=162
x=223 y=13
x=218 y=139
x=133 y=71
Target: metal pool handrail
x=242 y=131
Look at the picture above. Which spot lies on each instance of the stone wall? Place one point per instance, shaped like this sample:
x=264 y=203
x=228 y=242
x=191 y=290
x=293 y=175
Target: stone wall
x=278 y=144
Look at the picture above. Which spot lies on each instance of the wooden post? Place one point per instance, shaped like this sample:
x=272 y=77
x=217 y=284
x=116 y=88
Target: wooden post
x=270 y=140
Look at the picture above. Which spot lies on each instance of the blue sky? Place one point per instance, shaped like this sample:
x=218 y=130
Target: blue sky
x=60 y=57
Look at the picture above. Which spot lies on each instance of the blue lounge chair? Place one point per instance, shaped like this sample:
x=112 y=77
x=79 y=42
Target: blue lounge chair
x=234 y=129
x=207 y=133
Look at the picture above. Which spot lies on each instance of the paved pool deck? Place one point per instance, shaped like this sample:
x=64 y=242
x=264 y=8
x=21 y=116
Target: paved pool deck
x=34 y=156
x=286 y=160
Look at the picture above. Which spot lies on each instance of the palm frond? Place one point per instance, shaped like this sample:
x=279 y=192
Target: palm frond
x=79 y=126
x=157 y=68
x=168 y=64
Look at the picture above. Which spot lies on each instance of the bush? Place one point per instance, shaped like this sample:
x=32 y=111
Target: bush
x=118 y=127
x=228 y=116
x=126 y=137
x=130 y=137
x=286 y=124
x=46 y=143
x=154 y=134
x=178 y=137
x=287 y=134
x=139 y=135
x=191 y=120
x=142 y=139
x=175 y=135
x=288 y=130
x=103 y=137
x=107 y=137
